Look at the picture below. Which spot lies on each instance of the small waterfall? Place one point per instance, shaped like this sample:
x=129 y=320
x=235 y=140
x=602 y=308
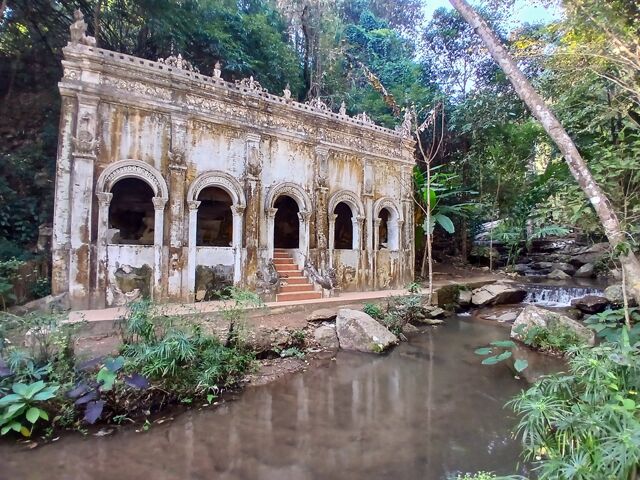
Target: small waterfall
x=551 y=296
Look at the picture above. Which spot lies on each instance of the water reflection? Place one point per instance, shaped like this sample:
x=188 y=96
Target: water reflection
x=425 y=409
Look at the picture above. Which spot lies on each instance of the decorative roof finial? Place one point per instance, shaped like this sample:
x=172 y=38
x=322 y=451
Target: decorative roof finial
x=343 y=109
x=287 y=92
x=78 y=30
x=217 y=72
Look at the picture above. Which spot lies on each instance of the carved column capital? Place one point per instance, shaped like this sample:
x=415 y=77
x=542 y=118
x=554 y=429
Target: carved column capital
x=304 y=216
x=193 y=205
x=359 y=219
x=322 y=151
x=104 y=198
x=177 y=160
x=238 y=210
x=271 y=212
x=377 y=222
x=159 y=202
x=332 y=217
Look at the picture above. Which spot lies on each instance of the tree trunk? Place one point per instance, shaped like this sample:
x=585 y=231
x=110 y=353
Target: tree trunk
x=561 y=138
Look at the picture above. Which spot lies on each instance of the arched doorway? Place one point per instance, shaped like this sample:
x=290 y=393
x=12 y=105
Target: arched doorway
x=215 y=218
x=131 y=218
x=286 y=224
x=383 y=229
x=343 y=231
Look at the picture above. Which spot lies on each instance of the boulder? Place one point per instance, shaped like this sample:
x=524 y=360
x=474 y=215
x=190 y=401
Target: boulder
x=614 y=295
x=536 y=316
x=520 y=268
x=542 y=265
x=590 y=304
x=497 y=294
x=322 y=315
x=49 y=304
x=358 y=331
x=564 y=267
x=558 y=275
x=464 y=298
x=585 y=271
x=592 y=254
x=326 y=337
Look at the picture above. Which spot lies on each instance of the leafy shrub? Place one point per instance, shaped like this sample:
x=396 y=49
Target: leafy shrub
x=556 y=338
x=373 y=310
x=485 y=476
x=21 y=409
x=608 y=324
x=41 y=288
x=585 y=424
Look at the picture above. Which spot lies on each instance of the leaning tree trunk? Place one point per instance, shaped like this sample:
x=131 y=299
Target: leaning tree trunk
x=561 y=138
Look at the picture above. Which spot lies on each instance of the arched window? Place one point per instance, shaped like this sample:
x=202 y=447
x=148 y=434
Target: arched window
x=131 y=213
x=286 y=228
x=383 y=236
x=343 y=231
x=215 y=219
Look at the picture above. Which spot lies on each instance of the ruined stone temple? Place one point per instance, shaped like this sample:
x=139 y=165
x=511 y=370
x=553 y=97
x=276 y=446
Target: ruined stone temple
x=172 y=184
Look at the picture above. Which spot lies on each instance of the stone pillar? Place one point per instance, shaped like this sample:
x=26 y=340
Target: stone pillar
x=376 y=247
x=332 y=236
x=358 y=223
x=322 y=192
x=84 y=155
x=191 y=257
x=253 y=214
x=177 y=184
x=271 y=215
x=158 y=235
x=376 y=234
x=104 y=200
x=238 y=216
x=60 y=242
x=303 y=242
x=370 y=232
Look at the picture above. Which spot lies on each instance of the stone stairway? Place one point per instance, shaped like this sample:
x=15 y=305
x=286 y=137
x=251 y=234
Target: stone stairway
x=293 y=284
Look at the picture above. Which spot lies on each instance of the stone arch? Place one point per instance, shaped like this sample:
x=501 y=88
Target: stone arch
x=217 y=179
x=292 y=190
x=132 y=169
x=389 y=204
x=350 y=199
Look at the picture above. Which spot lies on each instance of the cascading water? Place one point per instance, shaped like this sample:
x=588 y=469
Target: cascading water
x=553 y=296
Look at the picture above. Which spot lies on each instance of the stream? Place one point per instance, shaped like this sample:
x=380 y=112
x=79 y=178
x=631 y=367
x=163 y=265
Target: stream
x=426 y=410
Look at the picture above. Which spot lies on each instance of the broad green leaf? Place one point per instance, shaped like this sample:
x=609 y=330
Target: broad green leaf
x=43 y=415
x=483 y=351
x=34 y=388
x=628 y=404
x=14 y=409
x=46 y=395
x=5 y=429
x=20 y=388
x=490 y=360
x=12 y=397
x=445 y=222
x=114 y=364
x=520 y=364
x=503 y=344
x=107 y=378
x=504 y=355
x=33 y=414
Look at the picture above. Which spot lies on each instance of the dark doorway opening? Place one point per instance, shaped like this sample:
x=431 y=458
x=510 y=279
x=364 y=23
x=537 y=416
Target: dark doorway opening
x=384 y=228
x=286 y=227
x=343 y=232
x=215 y=220
x=131 y=213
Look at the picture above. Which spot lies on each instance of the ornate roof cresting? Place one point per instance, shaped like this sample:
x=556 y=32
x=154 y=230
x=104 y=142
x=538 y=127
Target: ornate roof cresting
x=178 y=62
x=78 y=30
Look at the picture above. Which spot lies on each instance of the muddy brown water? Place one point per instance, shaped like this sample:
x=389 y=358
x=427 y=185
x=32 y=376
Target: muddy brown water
x=424 y=411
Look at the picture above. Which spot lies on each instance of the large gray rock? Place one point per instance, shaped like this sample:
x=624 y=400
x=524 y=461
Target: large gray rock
x=591 y=254
x=322 y=315
x=590 y=304
x=585 y=271
x=358 y=331
x=614 y=295
x=564 y=267
x=464 y=298
x=532 y=316
x=326 y=337
x=558 y=275
x=497 y=294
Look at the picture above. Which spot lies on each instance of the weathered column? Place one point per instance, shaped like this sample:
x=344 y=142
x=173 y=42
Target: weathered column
x=84 y=155
x=322 y=192
x=238 y=216
x=304 y=218
x=177 y=181
x=191 y=257
x=369 y=220
x=332 y=236
x=158 y=236
x=253 y=192
x=102 y=260
x=376 y=248
x=271 y=215
x=60 y=242
x=358 y=223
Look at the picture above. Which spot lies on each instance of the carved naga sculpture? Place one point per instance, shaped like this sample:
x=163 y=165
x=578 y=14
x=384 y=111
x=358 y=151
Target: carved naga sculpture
x=268 y=279
x=326 y=281
x=78 y=30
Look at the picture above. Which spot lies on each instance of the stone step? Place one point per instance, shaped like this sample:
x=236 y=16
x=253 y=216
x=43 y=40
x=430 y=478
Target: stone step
x=283 y=261
x=294 y=280
x=296 y=288
x=290 y=269
x=281 y=255
x=292 y=297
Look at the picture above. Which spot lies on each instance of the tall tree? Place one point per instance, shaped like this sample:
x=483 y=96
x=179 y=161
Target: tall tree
x=563 y=141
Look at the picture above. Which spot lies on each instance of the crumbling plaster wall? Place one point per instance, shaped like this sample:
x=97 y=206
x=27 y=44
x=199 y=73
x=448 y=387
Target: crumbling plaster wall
x=119 y=110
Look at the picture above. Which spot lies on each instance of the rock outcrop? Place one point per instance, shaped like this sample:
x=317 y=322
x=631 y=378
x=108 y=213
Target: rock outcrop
x=497 y=294
x=590 y=304
x=536 y=316
x=326 y=337
x=358 y=331
x=558 y=274
x=585 y=271
x=614 y=295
